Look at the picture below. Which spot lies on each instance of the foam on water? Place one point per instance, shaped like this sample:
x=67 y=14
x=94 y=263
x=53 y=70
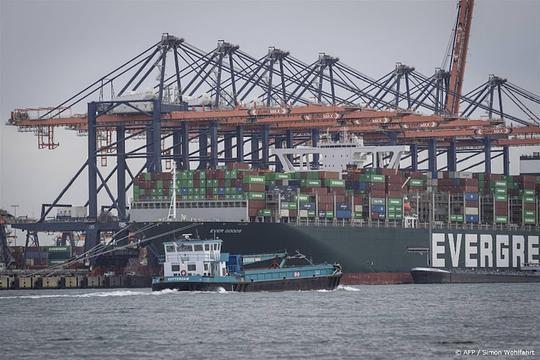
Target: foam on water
x=86 y=295
x=347 y=288
x=164 y=292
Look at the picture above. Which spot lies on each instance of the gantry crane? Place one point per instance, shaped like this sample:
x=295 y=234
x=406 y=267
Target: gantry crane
x=274 y=100
x=458 y=54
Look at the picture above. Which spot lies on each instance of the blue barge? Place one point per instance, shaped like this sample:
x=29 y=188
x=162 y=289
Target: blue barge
x=199 y=265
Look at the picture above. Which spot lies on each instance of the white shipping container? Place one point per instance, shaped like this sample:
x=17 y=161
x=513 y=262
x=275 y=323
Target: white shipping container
x=63 y=212
x=284 y=213
x=465 y=175
x=471 y=211
x=303 y=213
x=78 y=211
x=358 y=208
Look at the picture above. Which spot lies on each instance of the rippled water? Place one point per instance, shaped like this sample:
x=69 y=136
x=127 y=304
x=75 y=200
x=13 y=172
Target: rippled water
x=362 y=322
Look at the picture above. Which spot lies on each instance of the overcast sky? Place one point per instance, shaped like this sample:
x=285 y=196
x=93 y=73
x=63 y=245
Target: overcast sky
x=51 y=49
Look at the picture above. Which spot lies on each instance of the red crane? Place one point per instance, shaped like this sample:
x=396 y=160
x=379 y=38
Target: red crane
x=458 y=57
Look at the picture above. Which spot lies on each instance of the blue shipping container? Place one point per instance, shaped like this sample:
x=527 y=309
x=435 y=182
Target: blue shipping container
x=343 y=206
x=471 y=196
x=343 y=214
x=294 y=183
x=378 y=209
x=471 y=218
x=307 y=206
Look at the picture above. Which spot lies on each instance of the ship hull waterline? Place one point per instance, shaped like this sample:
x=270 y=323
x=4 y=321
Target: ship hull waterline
x=436 y=276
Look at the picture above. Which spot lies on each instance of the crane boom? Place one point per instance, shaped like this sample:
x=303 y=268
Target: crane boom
x=458 y=58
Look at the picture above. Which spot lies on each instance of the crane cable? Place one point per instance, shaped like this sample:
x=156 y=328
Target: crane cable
x=91 y=250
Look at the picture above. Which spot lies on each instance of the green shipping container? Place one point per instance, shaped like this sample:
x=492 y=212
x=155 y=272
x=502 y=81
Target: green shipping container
x=253 y=179
x=309 y=175
x=529 y=220
x=311 y=213
x=256 y=195
x=529 y=199
x=501 y=219
x=500 y=197
x=372 y=178
x=416 y=182
x=58 y=249
x=277 y=176
x=311 y=183
x=264 y=212
x=395 y=201
x=303 y=197
x=529 y=213
x=334 y=183
x=330 y=214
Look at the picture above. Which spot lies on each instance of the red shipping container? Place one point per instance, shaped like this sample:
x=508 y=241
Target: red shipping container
x=237 y=165
x=339 y=191
x=257 y=204
x=254 y=187
x=388 y=172
x=324 y=175
x=378 y=193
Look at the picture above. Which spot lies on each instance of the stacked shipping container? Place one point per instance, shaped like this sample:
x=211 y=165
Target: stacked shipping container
x=368 y=194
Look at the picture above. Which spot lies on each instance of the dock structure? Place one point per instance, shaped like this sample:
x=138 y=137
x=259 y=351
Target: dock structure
x=29 y=281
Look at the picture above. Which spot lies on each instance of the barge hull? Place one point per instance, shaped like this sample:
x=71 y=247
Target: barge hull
x=315 y=283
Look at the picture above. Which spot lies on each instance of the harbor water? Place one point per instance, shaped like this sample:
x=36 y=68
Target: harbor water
x=360 y=322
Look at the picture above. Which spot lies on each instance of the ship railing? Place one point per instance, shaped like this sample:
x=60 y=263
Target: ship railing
x=420 y=225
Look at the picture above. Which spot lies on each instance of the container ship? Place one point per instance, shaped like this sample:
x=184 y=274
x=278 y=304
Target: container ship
x=375 y=221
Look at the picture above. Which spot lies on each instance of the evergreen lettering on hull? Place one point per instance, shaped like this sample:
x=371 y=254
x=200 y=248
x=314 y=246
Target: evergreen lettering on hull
x=465 y=250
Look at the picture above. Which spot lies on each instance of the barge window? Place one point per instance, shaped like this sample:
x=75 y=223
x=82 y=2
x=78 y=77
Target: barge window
x=176 y=268
x=198 y=247
x=184 y=248
x=206 y=247
x=169 y=248
x=192 y=267
x=205 y=266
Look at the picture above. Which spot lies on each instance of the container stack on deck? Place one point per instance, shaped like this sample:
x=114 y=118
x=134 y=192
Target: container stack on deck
x=357 y=194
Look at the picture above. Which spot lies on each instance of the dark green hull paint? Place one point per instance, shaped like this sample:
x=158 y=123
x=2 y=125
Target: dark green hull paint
x=357 y=249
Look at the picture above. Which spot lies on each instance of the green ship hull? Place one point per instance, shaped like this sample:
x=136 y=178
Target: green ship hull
x=368 y=249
